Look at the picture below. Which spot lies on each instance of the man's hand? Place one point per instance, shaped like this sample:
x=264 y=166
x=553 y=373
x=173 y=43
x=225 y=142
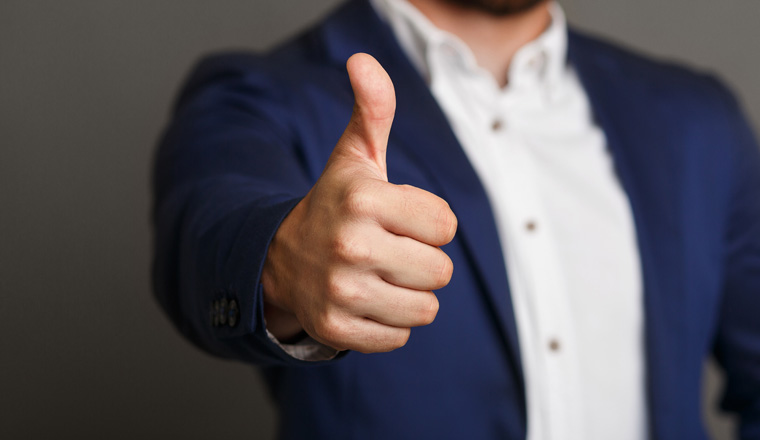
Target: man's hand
x=354 y=263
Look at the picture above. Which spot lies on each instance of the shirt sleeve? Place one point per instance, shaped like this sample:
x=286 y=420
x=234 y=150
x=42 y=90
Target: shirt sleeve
x=307 y=349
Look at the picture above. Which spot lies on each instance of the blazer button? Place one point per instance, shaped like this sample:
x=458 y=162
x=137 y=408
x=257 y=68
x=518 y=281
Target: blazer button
x=223 y=311
x=233 y=314
x=215 y=311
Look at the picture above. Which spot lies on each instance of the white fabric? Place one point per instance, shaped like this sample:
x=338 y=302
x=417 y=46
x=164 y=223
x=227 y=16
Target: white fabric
x=565 y=225
x=307 y=349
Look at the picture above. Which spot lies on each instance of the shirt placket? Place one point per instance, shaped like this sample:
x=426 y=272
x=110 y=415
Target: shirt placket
x=534 y=260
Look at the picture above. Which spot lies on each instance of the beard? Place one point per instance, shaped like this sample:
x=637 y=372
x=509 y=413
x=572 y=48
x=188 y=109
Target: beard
x=499 y=7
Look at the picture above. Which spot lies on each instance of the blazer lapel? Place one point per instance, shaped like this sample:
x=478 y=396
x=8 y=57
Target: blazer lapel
x=423 y=129
x=648 y=169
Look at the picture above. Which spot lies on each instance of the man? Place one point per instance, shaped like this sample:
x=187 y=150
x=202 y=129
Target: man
x=621 y=195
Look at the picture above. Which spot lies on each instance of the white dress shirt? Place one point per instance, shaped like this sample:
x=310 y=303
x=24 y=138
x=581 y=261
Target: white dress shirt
x=564 y=222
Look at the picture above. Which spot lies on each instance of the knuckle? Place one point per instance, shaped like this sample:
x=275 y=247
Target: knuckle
x=401 y=339
x=338 y=290
x=392 y=341
x=331 y=330
x=348 y=248
x=366 y=349
x=384 y=341
x=443 y=271
x=446 y=223
x=454 y=224
x=350 y=298
x=430 y=312
x=334 y=287
x=345 y=293
x=359 y=199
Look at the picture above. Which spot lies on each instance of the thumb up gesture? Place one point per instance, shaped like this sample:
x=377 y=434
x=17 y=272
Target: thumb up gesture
x=354 y=264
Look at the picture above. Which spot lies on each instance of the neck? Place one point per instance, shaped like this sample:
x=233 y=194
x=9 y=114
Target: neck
x=494 y=40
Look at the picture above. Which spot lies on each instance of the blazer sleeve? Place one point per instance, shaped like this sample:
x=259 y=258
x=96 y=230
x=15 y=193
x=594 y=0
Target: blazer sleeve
x=227 y=171
x=737 y=345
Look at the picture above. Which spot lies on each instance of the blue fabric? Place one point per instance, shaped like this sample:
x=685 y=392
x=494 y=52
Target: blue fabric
x=251 y=133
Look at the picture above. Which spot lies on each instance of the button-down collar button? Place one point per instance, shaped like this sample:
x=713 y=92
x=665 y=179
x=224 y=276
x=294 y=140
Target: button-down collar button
x=497 y=125
x=448 y=50
x=538 y=61
x=233 y=314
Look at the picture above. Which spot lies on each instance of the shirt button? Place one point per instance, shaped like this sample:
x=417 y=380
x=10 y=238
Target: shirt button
x=530 y=226
x=497 y=125
x=449 y=50
x=554 y=345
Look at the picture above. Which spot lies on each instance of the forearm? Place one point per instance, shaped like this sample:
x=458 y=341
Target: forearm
x=202 y=260
x=225 y=175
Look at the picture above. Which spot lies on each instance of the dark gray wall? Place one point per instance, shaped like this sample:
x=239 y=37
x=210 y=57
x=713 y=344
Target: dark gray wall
x=84 y=90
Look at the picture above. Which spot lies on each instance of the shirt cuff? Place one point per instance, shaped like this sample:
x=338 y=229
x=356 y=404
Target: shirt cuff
x=307 y=349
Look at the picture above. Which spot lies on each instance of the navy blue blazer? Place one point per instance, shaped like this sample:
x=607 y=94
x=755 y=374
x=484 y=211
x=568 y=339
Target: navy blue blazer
x=251 y=134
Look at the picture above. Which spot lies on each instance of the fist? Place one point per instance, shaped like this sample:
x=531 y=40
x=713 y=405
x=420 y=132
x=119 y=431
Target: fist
x=355 y=263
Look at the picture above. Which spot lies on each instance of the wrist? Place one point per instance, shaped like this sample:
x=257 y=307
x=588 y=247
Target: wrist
x=282 y=324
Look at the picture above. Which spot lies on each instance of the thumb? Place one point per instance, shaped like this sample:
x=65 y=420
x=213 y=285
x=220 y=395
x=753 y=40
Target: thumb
x=374 y=108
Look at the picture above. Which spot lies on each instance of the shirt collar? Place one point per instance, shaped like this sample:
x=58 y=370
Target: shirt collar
x=540 y=62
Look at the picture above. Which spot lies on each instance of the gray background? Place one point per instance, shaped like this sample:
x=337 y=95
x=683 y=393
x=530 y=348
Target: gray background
x=84 y=90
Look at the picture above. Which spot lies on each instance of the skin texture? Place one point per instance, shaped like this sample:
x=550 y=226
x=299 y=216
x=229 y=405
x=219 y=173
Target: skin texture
x=354 y=264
